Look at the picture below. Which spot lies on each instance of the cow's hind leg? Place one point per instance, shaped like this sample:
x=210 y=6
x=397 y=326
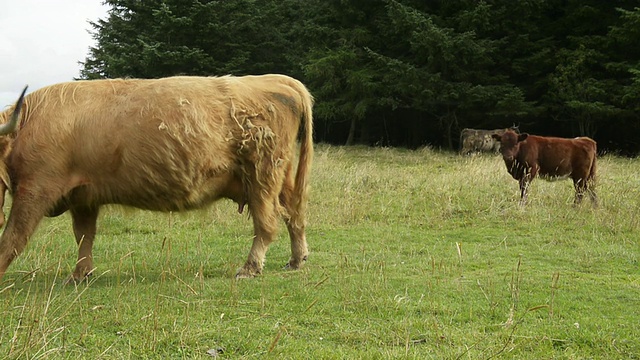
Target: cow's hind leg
x=265 y=179
x=265 y=222
x=592 y=194
x=84 y=229
x=295 y=221
x=580 y=187
x=583 y=186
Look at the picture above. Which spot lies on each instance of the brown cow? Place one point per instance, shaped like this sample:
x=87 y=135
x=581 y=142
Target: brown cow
x=169 y=144
x=527 y=156
x=477 y=140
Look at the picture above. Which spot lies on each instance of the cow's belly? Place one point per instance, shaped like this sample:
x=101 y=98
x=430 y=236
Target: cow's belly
x=160 y=193
x=554 y=177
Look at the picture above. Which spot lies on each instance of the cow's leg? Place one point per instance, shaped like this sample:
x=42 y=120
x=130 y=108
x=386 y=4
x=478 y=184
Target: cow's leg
x=524 y=189
x=580 y=186
x=592 y=194
x=583 y=186
x=265 y=222
x=84 y=228
x=265 y=178
x=28 y=208
x=295 y=221
x=525 y=182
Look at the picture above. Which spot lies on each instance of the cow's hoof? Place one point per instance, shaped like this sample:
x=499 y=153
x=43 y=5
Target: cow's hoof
x=245 y=273
x=295 y=264
x=76 y=278
x=73 y=280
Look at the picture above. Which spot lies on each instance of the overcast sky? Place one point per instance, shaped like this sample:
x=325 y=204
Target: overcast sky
x=41 y=42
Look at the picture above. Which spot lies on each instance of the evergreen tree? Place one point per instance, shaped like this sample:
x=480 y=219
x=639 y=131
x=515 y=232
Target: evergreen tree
x=402 y=72
x=158 y=38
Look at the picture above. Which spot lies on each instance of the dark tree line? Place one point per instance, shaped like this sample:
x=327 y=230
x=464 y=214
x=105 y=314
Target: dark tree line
x=403 y=72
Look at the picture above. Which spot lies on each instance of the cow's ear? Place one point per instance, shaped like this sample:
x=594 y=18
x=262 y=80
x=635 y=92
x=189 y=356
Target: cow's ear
x=497 y=137
x=523 y=137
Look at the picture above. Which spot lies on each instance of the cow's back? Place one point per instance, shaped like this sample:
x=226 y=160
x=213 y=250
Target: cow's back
x=557 y=156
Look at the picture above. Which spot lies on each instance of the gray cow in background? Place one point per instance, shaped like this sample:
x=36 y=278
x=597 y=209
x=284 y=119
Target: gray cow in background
x=478 y=140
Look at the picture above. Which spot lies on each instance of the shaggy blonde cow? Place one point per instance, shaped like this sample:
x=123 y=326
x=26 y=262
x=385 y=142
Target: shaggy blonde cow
x=169 y=144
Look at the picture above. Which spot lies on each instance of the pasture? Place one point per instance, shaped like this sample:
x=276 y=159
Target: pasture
x=414 y=254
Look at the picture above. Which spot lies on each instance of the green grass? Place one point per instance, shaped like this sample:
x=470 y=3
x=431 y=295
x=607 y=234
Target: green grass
x=414 y=254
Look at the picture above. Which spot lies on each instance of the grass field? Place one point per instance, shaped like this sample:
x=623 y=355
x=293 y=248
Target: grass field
x=414 y=254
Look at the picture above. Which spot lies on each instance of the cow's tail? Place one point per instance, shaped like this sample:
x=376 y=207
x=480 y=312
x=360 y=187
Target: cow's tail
x=592 y=175
x=301 y=191
x=591 y=179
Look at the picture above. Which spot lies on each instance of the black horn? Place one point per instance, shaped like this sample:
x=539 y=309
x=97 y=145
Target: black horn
x=12 y=124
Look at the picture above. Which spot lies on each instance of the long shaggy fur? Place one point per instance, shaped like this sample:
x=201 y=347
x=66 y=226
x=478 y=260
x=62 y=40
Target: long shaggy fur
x=166 y=144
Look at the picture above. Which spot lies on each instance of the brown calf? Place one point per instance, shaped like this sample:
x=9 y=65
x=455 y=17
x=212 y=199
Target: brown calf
x=527 y=156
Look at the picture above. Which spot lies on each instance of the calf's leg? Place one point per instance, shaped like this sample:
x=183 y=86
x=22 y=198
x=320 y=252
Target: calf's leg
x=524 y=189
x=592 y=195
x=525 y=182
x=580 y=187
x=584 y=186
x=584 y=183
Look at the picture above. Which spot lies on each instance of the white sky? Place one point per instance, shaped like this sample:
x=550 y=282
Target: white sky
x=41 y=42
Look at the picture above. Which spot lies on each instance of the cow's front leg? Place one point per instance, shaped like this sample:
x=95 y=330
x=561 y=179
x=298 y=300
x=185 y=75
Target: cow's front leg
x=27 y=210
x=524 y=190
x=525 y=182
x=84 y=229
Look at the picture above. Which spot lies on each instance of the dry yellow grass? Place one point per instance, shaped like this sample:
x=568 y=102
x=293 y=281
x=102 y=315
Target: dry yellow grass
x=414 y=254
